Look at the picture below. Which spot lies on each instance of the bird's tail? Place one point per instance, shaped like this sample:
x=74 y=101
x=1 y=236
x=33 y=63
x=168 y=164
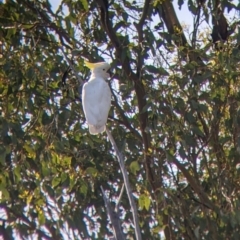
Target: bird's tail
x=96 y=129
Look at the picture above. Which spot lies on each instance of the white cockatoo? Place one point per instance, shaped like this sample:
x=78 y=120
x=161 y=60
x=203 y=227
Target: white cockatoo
x=96 y=97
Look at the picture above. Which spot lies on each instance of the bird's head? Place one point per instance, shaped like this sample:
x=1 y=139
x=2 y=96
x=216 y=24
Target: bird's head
x=99 y=69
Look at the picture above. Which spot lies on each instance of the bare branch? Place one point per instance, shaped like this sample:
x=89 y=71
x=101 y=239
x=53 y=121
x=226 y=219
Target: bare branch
x=117 y=231
x=127 y=185
x=119 y=199
x=196 y=26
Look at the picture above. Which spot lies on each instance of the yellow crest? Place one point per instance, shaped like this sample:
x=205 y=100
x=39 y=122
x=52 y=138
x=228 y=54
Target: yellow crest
x=96 y=65
x=89 y=65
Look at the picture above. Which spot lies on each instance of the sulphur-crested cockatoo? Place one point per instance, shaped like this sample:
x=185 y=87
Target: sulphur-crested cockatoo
x=96 y=97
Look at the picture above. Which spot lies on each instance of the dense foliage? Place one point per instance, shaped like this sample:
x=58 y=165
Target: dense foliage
x=175 y=116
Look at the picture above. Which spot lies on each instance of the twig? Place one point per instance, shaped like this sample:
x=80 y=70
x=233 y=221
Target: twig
x=127 y=185
x=196 y=25
x=139 y=27
x=117 y=231
x=119 y=199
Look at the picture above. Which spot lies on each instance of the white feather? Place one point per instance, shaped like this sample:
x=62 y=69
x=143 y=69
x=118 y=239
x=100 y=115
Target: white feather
x=96 y=99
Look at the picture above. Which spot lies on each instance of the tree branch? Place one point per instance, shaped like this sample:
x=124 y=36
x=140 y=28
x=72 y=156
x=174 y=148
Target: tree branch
x=201 y=194
x=196 y=26
x=139 y=28
x=167 y=13
x=117 y=231
x=119 y=199
x=127 y=185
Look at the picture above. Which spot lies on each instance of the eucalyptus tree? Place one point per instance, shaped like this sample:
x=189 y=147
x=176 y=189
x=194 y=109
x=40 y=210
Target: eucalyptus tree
x=174 y=117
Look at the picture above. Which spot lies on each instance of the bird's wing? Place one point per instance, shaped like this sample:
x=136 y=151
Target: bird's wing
x=96 y=97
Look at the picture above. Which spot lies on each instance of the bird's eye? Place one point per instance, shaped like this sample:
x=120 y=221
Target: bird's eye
x=104 y=69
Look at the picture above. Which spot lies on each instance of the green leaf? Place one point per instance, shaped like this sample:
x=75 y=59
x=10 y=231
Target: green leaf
x=85 y=4
x=56 y=181
x=49 y=190
x=125 y=16
x=156 y=70
x=152 y=69
x=17 y=173
x=64 y=176
x=58 y=145
x=45 y=169
x=92 y=171
x=41 y=218
x=11 y=32
x=198 y=131
x=7 y=140
x=194 y=104
x=4 y=194
x=67 y=161
x=64 y=116
x=155 y=3
x=120 y=24
x=157 y=229
x=134 y=167
x=27 y=26
x=163 y=72
x=180 y=3
x=84 y=188
x=190 y=118
x=144 y=201
x=2 y=154
x=30 y=150
x=192 y=7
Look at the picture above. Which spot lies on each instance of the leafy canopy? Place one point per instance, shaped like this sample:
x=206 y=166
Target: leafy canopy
x=175 y=117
